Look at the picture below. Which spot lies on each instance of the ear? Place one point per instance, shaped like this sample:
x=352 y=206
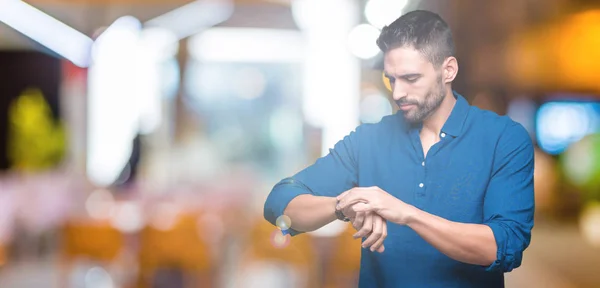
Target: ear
x=450 y=69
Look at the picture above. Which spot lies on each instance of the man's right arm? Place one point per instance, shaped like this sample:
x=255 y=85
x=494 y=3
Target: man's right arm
x=308 y=198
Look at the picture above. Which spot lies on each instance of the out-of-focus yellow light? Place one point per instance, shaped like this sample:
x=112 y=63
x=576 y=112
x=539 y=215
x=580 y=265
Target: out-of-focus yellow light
x=386 y=82
x=545 y=181
x=589 y=223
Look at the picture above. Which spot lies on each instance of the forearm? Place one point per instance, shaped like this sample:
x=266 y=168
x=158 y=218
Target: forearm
x=308 y=212
x=468 y=243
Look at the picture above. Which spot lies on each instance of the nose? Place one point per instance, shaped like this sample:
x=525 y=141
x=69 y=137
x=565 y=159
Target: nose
x=398 y=93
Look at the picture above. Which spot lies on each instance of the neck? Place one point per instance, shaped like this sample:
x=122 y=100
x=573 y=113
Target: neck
x=437 y=119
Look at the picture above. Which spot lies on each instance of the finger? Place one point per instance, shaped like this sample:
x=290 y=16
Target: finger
x=366 y=228
x=359 y=220
x=378 y=246
x=361 y=207
x=351 y=199
x=376 y=234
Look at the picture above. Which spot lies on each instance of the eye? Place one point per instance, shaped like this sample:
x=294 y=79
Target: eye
x=411 y=79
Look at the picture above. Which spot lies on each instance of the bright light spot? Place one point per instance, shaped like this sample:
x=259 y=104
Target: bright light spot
x=97 y=277
x=362 y=41
x=211 y=227
x=321 y=15
x=160 y=44
x=100 y=204
x=279 y=274
x=128 y=217
x=383 y=12
x=560 y=124
x=194 y=17
x=248 y=45
x=250 y=83
x=332 y=229
x=579 y=161
x=165 y=216
x=113 y=117
x=589 y=223
x=374 y=107
x=283 y=222
x=280 y=241
x=53 y=34
x=285 y=128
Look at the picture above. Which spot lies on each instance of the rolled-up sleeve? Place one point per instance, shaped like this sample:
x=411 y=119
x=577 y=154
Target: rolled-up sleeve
x=328 y=176
x=509 y=201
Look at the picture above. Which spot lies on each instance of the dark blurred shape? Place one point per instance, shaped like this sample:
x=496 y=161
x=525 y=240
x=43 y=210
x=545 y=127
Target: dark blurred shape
x=168 y=278
x=20 y=70
x=130 y=171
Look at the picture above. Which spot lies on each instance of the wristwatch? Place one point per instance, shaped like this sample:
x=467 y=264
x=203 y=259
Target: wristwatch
x=340 y=215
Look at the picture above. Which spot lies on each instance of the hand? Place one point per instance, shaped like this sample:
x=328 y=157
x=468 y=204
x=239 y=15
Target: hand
x=374 y=199
x=371 y=225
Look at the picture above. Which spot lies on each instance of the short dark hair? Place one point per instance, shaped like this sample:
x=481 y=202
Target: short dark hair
x=422 y=30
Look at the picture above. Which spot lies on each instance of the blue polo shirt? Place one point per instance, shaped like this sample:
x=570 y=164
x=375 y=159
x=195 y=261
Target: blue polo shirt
x=481 y=171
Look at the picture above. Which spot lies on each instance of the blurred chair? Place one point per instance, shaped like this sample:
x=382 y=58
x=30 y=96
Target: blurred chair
x=343 y=267
x=178 y=249
x=91 y=240
x=272 y=260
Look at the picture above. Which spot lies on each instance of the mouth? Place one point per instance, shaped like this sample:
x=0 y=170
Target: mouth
x=406 y=107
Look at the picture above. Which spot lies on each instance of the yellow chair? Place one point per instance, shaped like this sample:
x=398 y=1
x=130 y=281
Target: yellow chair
x=94 y=240
x=179 y=247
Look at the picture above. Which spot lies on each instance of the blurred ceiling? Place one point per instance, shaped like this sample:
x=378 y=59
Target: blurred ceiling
x=87 y=16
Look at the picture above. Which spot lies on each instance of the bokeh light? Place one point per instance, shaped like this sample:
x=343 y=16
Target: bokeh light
x=97 y=277
x=100 y=204
x=374 y=107
x=362 y=41
x=280 y=241
x=128 y=217
x=383 y=12
x=581 y=164
x=165 y=216
x=560 y=124
x=283 y=222
x=589 y=223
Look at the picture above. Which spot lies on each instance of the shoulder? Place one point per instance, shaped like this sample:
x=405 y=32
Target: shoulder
x=500 y=127
x=511 y=141
x=383 y=127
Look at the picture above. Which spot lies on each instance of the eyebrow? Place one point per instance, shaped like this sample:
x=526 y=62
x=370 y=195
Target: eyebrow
x=404 y=76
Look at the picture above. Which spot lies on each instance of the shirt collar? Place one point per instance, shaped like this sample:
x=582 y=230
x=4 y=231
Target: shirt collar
x=455 y=122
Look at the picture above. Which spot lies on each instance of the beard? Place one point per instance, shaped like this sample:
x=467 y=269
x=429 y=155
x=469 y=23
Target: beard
x=424 y=108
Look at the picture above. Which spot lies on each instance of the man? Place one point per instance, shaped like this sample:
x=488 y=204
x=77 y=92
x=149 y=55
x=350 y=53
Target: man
x=441 y=192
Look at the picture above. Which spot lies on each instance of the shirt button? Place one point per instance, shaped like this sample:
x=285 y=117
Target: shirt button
x=443 y=135
x=421 y=185
x=423 y=163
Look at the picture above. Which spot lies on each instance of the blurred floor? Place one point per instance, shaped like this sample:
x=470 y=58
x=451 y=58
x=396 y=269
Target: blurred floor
x=557 y=258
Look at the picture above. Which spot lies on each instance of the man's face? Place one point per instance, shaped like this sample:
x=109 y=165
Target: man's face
x=417 y=88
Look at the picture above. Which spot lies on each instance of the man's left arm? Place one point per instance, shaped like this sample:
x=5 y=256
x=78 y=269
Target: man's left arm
x=508 y=211
x=499 y=242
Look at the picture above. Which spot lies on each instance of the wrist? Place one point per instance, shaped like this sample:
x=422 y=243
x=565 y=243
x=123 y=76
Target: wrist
x=412 y=215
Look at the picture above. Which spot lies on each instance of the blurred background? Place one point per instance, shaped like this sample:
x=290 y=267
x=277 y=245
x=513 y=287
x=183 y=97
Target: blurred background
x=139 y=138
